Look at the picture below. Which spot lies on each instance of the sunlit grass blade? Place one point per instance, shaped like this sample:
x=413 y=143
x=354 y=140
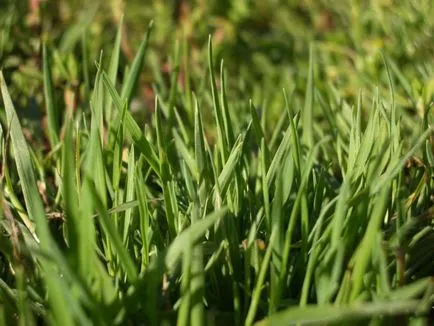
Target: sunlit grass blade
x=229 y=168
x=118 y=149
x=144 y=216
x=129 y=196
x=278 y=156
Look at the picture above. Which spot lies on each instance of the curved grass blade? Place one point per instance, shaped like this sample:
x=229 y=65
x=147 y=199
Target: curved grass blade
x=190 y=236
x=328 y=314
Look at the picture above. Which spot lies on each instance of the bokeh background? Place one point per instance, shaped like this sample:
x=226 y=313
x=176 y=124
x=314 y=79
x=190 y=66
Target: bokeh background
x=265 y=46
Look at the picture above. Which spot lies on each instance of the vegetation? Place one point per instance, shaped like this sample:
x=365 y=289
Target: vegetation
x=144 y=180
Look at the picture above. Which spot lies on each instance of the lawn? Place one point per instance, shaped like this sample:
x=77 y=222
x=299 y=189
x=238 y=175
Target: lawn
x=217 y=162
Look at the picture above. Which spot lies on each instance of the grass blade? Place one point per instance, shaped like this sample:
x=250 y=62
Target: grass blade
x=52 y=113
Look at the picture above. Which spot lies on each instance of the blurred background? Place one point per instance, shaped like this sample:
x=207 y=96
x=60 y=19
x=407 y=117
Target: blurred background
x=265 y=46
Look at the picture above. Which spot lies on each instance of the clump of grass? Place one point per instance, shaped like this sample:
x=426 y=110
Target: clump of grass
x=311 y=221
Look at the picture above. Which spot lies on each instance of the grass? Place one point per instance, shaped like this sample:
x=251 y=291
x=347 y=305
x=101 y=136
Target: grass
x=229 y=192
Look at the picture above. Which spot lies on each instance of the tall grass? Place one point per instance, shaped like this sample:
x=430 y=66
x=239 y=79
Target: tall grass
x=312 y=221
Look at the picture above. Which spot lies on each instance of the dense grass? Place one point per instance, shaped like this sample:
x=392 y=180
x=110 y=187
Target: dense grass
x=288 y=188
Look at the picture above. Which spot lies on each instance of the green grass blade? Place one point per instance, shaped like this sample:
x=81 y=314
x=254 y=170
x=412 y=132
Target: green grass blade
x=197 y=287
x=191 y=236
x=57 y=294
x=113 y=71
x=166 y=177
x=136 y=67
x=144 y=216
x=261 y=278
x=184 y=309
x=133 y=128
x=70 y=195
x=127 y=262
x=315 y=315
x=221 y=139
x=199 y=143
x=229 y=168
x=129 y=194
x=52 y=113
x=228 y=128
x=365 y=248
x=294 y=212
x=309 y=99
x=186 y=155
x=174 y=82
x=395 y=168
